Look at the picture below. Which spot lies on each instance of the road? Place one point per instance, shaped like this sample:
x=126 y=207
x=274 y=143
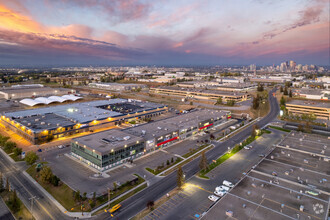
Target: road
x=136 y=203
x=43 y=208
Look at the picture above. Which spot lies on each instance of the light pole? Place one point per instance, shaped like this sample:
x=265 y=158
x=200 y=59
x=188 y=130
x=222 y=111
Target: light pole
x=32 y=198
x=109 y=197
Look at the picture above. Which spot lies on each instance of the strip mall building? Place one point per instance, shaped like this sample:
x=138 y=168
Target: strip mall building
x=108 y=149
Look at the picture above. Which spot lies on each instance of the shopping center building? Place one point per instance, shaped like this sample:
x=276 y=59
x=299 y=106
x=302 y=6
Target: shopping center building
x=43 y=124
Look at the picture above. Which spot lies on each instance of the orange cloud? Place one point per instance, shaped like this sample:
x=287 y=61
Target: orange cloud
x=11 y=20
x=180 y=44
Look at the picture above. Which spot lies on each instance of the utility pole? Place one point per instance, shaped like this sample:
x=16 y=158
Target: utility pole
x=31 y=199
x=109 y=197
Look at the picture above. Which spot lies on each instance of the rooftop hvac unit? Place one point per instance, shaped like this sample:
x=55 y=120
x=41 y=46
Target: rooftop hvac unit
x=29 y=124
x=49 y=124
x=37 y=119
x=159 y=128
x=42 y=123
x=57 y=124
x=43 y=116
x=165 y=129
x=143 y=132
x=126 y=138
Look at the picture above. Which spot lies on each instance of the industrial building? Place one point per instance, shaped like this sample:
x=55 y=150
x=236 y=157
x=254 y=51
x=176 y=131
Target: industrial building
x=49 y=100
x=110 y=148
x=316 y=94
x=32 y=91
x=320 y=109
x=200 y=93
x=117 y=86
x=43 y=124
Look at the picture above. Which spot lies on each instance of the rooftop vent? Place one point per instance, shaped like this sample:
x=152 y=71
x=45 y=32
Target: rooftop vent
x=126 y=138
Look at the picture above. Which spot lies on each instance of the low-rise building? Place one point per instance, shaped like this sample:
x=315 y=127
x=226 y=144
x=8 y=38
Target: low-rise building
x=111 y=148
x=117 y=86
x=43 y=124
x=32 y=91
x=320 y=109
x=316 y=94
x=200 y=93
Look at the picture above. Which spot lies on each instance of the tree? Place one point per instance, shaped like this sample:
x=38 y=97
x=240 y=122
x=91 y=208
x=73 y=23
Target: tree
x=179 y=177
x=9 y=146
x=172 y=160
x=14 y=202
x=290 y=93
x=260 y=87
x=300 y=127
x=3 y=140
x=46 y=174
x=281 y=89
x=114 y=186
x=285 y=91
x=7 y=184
x=77 y=196
x=84 y=197
x=203 y=164
x=256 y=102
x=150 y=205
x=282 y=101
x=191 y=103
x=17 y=151
x=167 y=162
x=31 y=157
x=219 y=101
x=55 y=180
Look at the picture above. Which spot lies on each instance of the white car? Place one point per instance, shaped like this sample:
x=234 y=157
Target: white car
x=219 y=188
x=60 y=146
x=227 y=183
x=247 y=148
x=213 y=198
x=219 y=193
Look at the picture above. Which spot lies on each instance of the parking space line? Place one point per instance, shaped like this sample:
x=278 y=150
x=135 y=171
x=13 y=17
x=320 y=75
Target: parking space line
x=163 y=209
x=153 y=212
x=257 y=208
x=293 y=208
x=159 y=211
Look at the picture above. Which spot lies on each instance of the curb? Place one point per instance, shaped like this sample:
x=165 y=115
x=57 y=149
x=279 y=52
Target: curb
x=6 y=155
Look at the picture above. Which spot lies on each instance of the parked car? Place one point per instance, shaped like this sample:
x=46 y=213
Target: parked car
x=220 y=188
x=39 y=150
x=247 y=148
x=274 y=173
x=60 y=146
x=213 y=198
x=261 y=155
x=219 y=193
x=227 y=183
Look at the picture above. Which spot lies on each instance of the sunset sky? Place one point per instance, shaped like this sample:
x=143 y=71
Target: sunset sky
x=163 y=32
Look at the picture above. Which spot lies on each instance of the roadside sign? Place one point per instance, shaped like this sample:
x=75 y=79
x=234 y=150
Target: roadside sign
x=23 y=155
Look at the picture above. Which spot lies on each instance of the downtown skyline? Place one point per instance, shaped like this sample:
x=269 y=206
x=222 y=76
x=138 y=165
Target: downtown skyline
x=96 y=32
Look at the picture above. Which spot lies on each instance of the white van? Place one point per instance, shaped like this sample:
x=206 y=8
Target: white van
x=227 y=183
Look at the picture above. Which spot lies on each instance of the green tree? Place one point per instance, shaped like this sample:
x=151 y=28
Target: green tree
x=17 y=151
x=180 y=178
x=254 y=131
x=9 y=146
x=290 y=93
x=46 y=174
x=3 y=140
x=84 y=197
x=260 y=87
x=77 y=196
x=203 y=164
x=256 y=102
x=282 y=101
x=114 y=186
x=285 y=91
x=219 y=101
x=31 y=157
x=14 y=202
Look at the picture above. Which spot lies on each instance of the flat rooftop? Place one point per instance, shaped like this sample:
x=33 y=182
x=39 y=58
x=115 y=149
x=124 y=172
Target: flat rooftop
x=83 y=112
x=105 y=141
x=311 y=91
x=218 y=92
x=311 y=103
x=45 y=122
x=176 y=123
x=281 y=184
x=307 y=142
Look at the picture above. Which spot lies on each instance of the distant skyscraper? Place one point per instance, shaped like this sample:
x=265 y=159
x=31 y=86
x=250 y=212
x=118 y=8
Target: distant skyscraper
x=292 y=65
x=253 y=67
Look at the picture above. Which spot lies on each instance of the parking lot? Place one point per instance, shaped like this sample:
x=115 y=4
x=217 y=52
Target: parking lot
x=287 y=184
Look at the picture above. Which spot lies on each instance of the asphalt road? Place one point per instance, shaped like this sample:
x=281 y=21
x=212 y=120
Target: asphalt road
x=136 y=203
x=43 y=208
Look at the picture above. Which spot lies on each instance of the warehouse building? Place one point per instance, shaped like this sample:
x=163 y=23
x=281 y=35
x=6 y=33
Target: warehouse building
x=117 y=86
x=200 y=93
x=32 y=91
x=111 y=148
x=320 y=109
x=43 y=124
